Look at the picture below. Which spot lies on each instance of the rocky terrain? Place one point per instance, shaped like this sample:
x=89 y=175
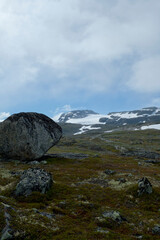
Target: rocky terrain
x=88 y=186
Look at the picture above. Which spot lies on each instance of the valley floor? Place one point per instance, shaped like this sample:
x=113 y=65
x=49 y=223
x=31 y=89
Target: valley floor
x=94 y=196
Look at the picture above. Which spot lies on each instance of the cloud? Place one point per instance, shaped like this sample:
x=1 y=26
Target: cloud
x=59 y=49
x=146 y=75
x=4 y=115
x=65 y=108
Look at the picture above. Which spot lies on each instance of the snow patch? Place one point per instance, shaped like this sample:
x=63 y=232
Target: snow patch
x=84 y=129
x=109 y=131
x=125 y=115
x=89 y=120
x=154 y=126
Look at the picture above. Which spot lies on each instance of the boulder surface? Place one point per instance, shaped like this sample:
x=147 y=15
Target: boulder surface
x=34 y=179
x=28 y=135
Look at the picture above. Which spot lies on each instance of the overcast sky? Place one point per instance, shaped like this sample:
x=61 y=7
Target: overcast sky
x=58 y=55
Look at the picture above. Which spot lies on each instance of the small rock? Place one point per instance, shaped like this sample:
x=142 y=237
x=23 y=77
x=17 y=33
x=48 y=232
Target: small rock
x=156 y=230
x=34 y=163
x=86 y=204
x=62 y=204
x=7 y=232
x=121 y=180
x=144 y=186
x=34 y=179
x=45 y=214
x=114 y=215
x=43 y=162
x=101 y=230
x=138 y=236
x=109 y=172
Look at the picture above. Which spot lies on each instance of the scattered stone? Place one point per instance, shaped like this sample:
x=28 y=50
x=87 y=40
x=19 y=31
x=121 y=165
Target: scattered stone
x=144 y=186
x=110 y=219
x=28 y=135
x=7 y=232
x=43 y=162
x=45 y=214
x=156 y=230
x=114 y=215
x=81 y=197
x=86 y=204
x=109 y=172
x=101 y=230
x=122 y=180
x=34 y=163
x=34 y=179
x=138 y=236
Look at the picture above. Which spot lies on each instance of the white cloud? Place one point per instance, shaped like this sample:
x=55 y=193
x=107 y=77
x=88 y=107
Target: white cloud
x=146 y=75
x=4 y=115
x=65 y=108
x=60 y=110
x=78 y=44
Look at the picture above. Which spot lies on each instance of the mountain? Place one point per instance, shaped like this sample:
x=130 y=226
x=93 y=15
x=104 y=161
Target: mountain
x=76 y=114
x=89 y=117
x=145 y=115
x=80 y=121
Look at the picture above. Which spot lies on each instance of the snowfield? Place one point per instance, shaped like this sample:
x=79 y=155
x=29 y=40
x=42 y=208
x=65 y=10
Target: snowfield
x=84 y=129
x=89 y=120
x=154 y=126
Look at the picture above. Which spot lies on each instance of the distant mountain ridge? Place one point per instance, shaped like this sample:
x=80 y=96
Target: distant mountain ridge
x=89 y=117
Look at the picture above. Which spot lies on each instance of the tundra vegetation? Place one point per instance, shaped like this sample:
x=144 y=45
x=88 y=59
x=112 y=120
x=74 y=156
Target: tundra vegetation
x=92 y=197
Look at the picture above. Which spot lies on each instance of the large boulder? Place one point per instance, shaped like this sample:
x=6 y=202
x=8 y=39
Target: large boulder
x=34 y=179
x=28 y=135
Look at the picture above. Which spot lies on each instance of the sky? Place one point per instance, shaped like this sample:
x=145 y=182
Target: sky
x=58 y=55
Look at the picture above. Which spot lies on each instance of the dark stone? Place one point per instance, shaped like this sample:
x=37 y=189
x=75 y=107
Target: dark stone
x=109 y=172
x=121 y=180
x=114 y=215
x=7 y=232
x=34 y=179
x=156 y=230
x=144 y=186
x=28 y=135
